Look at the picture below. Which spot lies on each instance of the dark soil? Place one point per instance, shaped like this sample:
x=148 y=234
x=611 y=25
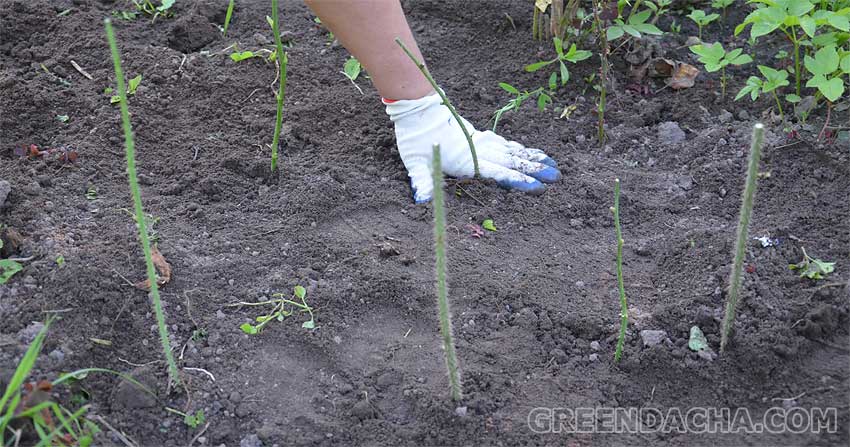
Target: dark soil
x=529 y=301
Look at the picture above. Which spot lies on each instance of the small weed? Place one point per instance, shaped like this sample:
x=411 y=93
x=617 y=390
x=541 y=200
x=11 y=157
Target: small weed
x=155 y=11
x=239 y=56
x=191 y=420
x=702 y=19
x=634 y=25
x=91 y=193
x=675 y=27
x=281 y=308
x=132 y=85
x=351 y=70
x=60 y=261
x=812 y=268
x=227 y=17
x=543 y=99
x=125 y=15
x=489 y=225
x=747 y=200
x=63 y=118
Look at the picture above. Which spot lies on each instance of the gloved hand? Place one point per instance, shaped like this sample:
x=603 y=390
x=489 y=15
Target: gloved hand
x=420 y=123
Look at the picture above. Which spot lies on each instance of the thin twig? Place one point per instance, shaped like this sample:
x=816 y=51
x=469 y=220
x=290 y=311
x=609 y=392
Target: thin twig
x=211 y=376
x=128 y=441
x=80 y=69
x=29 y=258
x=200 y=433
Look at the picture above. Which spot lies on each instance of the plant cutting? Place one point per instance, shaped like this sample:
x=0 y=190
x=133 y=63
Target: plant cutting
x=715 y=58
x=747 y=200
x=624 y=305
x=228 y=16
x=137 y=204
x=444 y=313
x=812 y=268
x=351 y=70
x=281 y=308
x=282 y=60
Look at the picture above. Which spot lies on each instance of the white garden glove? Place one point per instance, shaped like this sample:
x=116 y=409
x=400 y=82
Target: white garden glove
x=421 y=123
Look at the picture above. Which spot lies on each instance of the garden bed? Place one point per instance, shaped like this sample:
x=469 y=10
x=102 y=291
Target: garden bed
x=535 y=305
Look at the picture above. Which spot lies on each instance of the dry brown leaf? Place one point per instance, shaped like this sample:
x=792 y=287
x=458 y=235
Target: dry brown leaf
x=163 y=269
x=684 y=76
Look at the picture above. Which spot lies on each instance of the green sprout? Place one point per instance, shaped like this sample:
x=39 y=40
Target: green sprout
x=424 y=70
x=624 y=305
x=132 y=85
x=191 y=420
x=282 y=59
x=281 y=308
x=573 y=55
x=773 y=80
x=714 y=57
x=8 y=268
x=441 y=263
x=149 y=8
x=702 y=19
x=137 y=204
x=239 y=56
x=747 y=200
x=722 y=5
x=812 y=268
x=514 y=104
x=351 y=70
x=227 y=17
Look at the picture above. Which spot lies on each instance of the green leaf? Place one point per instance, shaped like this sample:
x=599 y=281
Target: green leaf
x=553 y=81
x=614 y=33
x=762 y=29
x=824 y=63
x=508 y=88
x=488 y=225
x=845 y=64
x=238 y=56
x=63 y=118
x=351 y=68
x=697 y=341
x=565 y=74
x=538 y=65
x=542 y=100
x=114 y=99
x=832 y=89
x=839 y=22
x=300 y=292
x=799 y=7
x=8 y=268
x=165 y=5
x=808 y=25
x=741 y=60
x=648 y=28
x=309 y=324
x=631 y=30
x=640 y=17
x=559 y=46
x=792 y=98
x=134 y=84
x=249 y=329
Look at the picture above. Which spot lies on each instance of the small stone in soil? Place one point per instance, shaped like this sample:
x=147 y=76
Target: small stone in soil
x=594 y=345
x=250 y=441
x=461 y=411
x=652 y=337
x=669 y=132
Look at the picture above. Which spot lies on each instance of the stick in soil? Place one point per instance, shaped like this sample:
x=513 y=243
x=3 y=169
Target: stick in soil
x=282 y=60
x=601 y=30
x=141 y=224
x=624 y=305
x=442 y=292
x=741 y=242
x=421 y=66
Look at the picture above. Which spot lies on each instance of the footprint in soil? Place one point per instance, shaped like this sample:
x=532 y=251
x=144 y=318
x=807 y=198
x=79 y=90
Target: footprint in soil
x=819 y=323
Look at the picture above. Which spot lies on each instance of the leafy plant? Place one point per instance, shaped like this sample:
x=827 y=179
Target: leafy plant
x=137 y=204
x=624 y=305
x=812 y=268
x=351 y=70
x=8 y=268
x=149 y=8
x=714 y=57
x=281 y=308
x=514 y=104
x=747 y=200
x=722 y=4
x=675 y=27
x=573 y=55
x=440 y=267
x=634 y=25
x=424 y=70
x=282 y=60
x=228 y=16
x=125 y=15
x=702 y=19
x=773 y=80
x=827 y=68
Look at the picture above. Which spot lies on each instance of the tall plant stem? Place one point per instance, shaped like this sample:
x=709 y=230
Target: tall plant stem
x=282 y=60
x=421 y=66
x=141 y=224
x=535 y=23
x=442 y=289
x=741 y=242
x=624 y=305
x=779 y=104
x=603 y=70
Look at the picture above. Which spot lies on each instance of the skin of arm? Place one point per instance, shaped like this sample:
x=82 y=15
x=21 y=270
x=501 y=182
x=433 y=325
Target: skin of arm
x=367 y=29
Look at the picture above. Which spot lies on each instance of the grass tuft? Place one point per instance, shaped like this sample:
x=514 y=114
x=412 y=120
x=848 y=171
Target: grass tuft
x=747 y=201
x=227 y=17
x=141 y=223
